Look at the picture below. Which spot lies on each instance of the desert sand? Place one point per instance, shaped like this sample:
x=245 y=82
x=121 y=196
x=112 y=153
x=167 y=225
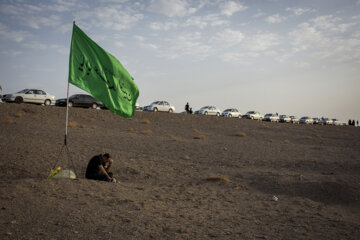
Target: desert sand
x=179 y=177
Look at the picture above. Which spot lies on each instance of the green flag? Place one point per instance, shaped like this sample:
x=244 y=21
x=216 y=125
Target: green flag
x=99 y=73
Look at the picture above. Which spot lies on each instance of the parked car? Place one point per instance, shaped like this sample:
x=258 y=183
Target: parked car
x=327 y=121
x=306 y=120
x=294 y=119
x=336 y=122
x=80 y=100
x=161 y=106
x=284 y=118
x=271 y=117
x=208 y=110
x=317 y=121
x=30 y=96
x=137 y=107
x=231 y=112
x=253 y=115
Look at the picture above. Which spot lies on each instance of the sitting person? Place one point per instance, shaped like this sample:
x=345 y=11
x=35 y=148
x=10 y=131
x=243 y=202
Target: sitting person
x=99 y=168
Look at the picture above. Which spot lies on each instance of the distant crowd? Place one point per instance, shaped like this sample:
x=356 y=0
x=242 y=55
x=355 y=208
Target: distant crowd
x=352 y=123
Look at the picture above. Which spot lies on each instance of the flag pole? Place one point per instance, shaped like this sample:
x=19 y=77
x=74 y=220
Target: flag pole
x=67 y=102
x=67 y=112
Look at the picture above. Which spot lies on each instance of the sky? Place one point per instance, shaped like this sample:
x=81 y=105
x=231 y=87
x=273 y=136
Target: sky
x=295 y=57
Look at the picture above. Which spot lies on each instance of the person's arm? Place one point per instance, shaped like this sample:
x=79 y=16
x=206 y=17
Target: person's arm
x=102 y=170
x=108 y=166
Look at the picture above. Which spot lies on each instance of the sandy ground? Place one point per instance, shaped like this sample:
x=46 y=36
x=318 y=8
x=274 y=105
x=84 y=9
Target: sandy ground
x=179 y=177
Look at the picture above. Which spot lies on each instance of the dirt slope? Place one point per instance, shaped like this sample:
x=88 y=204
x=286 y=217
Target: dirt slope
x=162 y=162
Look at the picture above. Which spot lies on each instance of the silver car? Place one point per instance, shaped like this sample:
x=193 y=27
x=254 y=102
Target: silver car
x=208 y=110
x=307 y=120
x=271 y=117
x=336 y=122
x=253 y=115
x=231 y=112
x=285 y=118
x=294 y=119
x=161 y=106
x=30 y=96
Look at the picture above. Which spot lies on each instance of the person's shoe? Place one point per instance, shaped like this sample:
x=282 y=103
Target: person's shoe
x=113 y=180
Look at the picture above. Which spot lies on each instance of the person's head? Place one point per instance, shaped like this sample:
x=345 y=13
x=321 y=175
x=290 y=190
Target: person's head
x=106 y=158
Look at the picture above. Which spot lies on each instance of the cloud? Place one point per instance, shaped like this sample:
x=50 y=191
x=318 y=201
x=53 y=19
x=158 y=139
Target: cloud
x=186 y=44
x=276 y=18
x=207 y=20
x=227 y=38
x=171 y=8
x=39 y=22
x=331 y=23
x=163 y=26
x=114 y=18
x=231 y=7
x=12 y=53
x=261 y=42
x=258 y=14
x=322 y=38
x=119 y=44
x=232 y=57
x=299 y=11
x=40 y=46
x=17 y=36
x=305 y=37
x=142 y=42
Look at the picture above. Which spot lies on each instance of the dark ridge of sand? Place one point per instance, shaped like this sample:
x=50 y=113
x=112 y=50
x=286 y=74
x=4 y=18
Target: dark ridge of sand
x=163 y=164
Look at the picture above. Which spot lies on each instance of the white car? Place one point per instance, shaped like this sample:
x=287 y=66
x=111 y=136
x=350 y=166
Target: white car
x=231 y=112
x=284 y=118
x=253 y=115
x=294 y=119
x=208 y=110
x=336 y=122
x=30 y=96
x=318 y=121
x=307 y=120
x=271 y=117
x=327 y=121
x=161 y=106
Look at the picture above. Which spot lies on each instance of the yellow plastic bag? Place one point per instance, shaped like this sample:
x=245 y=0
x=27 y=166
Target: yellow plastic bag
x=65 y=174
x=53 y=172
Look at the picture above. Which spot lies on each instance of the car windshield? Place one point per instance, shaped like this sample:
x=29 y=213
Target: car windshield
x=227 y=110
x=251 y=112
x=205 y=107
x=23 y=91
x=157 y=102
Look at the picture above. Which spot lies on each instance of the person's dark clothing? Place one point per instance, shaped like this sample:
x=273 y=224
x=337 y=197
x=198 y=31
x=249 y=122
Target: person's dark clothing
x=353 y=122
x=349 y=122
x=92 y=170
x=187 y=107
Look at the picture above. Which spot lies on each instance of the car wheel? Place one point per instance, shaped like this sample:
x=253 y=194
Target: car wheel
x=47 y=102
x=217 y=114
x=94 y=106
x=205 y=113
x=230 y=115
x=71 y=104
x=155 y=109
x=170 y=110
x=18 y=100
x=252 y=118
